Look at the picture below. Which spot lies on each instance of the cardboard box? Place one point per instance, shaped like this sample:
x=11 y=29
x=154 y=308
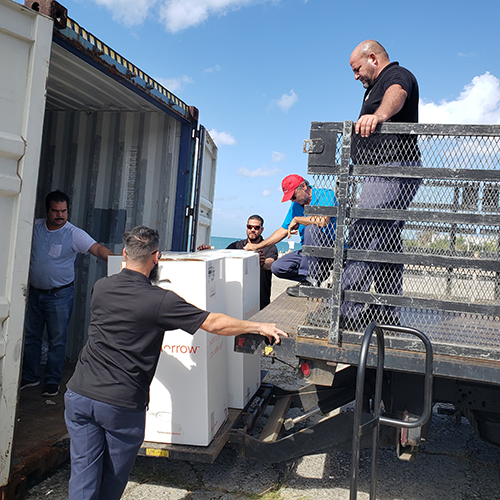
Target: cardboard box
x=115 y=264
x=188 y=395
x=242 y=302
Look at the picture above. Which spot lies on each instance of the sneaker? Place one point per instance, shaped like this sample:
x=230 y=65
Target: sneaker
x=50 y=390
x=25 y=383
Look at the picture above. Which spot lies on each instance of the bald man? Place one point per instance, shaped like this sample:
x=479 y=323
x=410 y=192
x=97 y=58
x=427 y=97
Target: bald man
x=391 y=94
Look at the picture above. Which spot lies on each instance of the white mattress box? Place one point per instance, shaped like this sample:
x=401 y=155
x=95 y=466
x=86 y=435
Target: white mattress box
x=188 y=395
x=115 y=264
x=242 y=302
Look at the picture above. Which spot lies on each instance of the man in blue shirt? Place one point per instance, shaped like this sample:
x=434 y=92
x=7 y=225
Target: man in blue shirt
x=313 y=230
x=56 y=243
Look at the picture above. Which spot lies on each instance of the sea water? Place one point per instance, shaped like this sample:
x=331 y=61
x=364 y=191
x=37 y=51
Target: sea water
x=221 y=242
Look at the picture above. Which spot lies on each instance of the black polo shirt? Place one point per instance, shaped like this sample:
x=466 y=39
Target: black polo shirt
x=128 y=319
x=384 y=148
x=266 y=276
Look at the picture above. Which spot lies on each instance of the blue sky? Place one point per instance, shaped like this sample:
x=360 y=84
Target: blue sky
x=260 y=71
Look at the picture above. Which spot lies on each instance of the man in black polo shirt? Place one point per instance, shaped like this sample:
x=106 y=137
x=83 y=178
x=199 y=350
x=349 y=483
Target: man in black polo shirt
x=391 y=95
x=255 y=227
x=107 y=396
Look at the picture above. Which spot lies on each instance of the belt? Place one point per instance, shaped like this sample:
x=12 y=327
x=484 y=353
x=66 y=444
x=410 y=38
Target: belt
x=52 y=290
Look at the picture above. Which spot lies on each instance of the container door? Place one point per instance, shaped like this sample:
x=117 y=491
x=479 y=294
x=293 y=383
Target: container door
x=25 y=42
x=204 y=191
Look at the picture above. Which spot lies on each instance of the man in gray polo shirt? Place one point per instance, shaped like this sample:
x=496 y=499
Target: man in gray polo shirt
x=56 y=243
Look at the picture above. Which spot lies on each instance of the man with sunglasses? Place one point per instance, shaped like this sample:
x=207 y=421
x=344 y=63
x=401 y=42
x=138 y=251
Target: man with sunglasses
x=108 y=393
x=313 y=230
x=267 y=254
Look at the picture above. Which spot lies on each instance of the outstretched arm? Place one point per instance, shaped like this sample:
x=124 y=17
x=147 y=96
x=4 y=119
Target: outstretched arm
x=100 y=251
x=317 y=220
x=276 y=237
x=221 y=324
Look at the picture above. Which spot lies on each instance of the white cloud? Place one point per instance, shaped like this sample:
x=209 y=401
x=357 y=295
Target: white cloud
x=222 y=138
x=276 y=157
x=178 y=15
x=128 y=12
x=175 y=15
x=286 y=101
x=258 y=172
x=229 y=198
x=268 y=192
x=213 y=69
x=479 y=102
x=175 y=84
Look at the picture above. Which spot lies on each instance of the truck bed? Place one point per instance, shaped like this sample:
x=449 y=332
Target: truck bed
x=456 y=354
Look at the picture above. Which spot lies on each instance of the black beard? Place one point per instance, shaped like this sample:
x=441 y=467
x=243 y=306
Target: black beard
x=154 y=275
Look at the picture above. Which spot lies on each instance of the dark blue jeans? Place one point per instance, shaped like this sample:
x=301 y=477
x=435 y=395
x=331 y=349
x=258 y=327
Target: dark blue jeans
x=51 y=310
x=297 y=267
x=104 y=441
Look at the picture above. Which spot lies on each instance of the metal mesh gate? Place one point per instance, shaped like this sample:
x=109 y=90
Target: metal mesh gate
x=416 y=237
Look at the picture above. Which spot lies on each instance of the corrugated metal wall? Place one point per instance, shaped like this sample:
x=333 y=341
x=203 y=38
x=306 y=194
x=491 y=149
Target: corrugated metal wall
x=119 y=170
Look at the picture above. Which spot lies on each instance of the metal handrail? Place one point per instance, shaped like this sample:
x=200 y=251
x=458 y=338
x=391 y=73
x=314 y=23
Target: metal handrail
x=378 y=419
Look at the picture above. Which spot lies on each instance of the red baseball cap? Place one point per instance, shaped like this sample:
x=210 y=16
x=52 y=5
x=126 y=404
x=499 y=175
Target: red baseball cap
x=289 y=184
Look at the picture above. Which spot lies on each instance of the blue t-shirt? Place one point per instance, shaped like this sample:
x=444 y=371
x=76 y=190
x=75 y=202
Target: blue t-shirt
x=320 y=197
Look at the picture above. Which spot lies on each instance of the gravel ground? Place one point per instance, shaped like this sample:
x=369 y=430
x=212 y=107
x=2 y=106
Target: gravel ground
x=452 y=465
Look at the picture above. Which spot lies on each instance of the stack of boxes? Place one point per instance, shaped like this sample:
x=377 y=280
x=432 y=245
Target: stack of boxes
x=199 y=376
x=242 y=302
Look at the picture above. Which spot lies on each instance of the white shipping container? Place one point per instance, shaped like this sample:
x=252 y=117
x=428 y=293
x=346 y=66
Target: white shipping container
x=188 y=396
x=242 y=302
x=25 y=44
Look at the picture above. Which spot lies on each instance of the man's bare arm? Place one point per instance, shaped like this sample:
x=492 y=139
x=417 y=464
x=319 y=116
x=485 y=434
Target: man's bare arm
x=392 y=102
x=276 y=237
x=221 y=324
x=317 y=220
x=100 y=251
x=268 y=263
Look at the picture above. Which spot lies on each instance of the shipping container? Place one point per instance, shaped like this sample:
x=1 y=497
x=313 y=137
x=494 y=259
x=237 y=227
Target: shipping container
x=76 y=115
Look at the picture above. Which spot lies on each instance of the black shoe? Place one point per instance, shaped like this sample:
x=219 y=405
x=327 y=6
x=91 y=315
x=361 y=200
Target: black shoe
x=293 y=291
x=50 y=390
x=25 y=383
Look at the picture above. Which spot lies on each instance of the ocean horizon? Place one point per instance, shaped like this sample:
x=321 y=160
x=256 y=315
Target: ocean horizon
x=221 y=242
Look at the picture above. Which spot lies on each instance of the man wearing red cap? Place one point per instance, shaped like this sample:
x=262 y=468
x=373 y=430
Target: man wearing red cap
x=313 y=230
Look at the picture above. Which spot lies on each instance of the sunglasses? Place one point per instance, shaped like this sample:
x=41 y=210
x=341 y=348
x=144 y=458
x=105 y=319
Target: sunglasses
x=249 y=226
x=158 y=252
